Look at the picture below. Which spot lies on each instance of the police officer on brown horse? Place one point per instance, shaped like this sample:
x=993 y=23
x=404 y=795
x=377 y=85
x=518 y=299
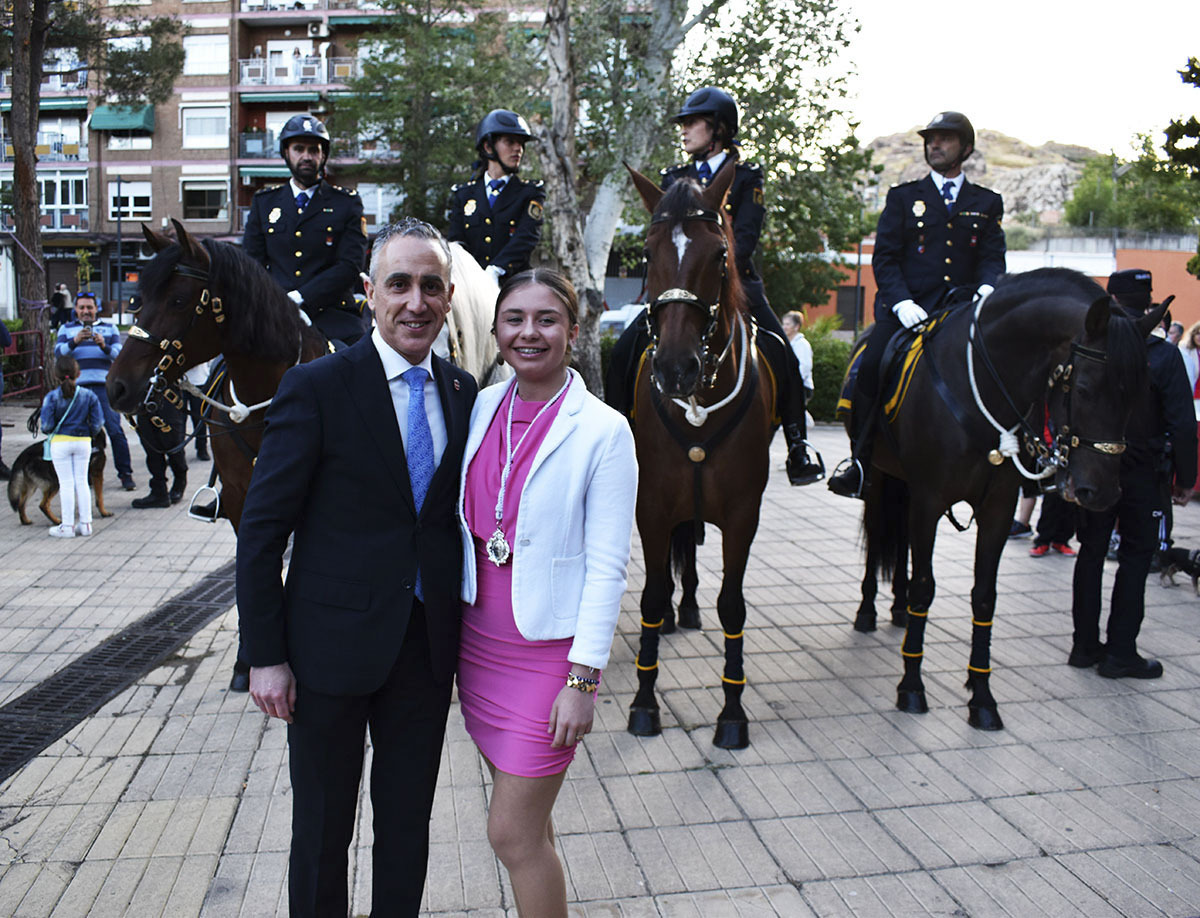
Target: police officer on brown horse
x=311 y=235
x=934 y=235
x=497 y=216
x=708 y=122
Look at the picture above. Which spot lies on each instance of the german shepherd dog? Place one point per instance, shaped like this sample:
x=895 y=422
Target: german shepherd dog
x=31 y=473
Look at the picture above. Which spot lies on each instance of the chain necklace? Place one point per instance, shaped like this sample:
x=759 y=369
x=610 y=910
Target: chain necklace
x=498 y=549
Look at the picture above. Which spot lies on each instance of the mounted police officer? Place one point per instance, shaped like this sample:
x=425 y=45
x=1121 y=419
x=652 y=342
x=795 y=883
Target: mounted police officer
x=934 y=235
x=1159 y=463
x=311 y=235
x=708 y=122
x=497 y=216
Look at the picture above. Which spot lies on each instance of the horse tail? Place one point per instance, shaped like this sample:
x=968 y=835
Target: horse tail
x=885 y=523
x=683 y=548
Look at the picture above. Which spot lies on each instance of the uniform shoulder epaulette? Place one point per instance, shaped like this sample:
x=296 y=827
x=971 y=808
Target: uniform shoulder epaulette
x=537 y=183
x=678 y=167
x=455 y=189
x=753 y=167
x=268 y=188
x=347 y=191
x=906 y=184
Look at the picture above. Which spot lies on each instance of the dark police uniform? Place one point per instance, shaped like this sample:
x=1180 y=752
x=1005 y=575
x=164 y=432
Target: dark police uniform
x=318 y=251
x=1163 y=410
x=503 y=233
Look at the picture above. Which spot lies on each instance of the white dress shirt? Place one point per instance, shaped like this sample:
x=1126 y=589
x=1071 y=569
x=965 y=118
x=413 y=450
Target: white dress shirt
x=940 y=180
x=394 y=367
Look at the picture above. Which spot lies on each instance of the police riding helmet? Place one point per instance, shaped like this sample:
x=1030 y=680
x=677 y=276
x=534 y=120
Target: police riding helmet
x=496 y=123
x=303 y=125
x=954 y=123
x=715 y=104
x=1131 y=288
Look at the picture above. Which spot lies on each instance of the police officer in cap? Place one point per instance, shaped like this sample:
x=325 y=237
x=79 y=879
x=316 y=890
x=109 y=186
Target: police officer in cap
x=497 y=216
x=1160 y=456
x=708 y=122
x=311 y=235
x=934 y=235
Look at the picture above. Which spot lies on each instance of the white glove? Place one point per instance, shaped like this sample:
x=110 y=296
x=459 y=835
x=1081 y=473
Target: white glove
x=495 y=272
x=983 y=292
x=295 y=297
x=909 y=313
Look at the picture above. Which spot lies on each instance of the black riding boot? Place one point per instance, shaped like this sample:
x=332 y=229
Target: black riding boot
x=850 y=478
x=157 y=497
x=801 y=468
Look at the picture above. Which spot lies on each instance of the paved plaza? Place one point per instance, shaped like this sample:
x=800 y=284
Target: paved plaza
x=173 y=798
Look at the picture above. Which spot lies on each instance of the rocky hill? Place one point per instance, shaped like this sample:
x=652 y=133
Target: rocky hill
x=1033 y=180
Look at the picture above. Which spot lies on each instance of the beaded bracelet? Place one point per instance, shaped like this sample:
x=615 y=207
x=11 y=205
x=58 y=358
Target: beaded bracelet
x=582 y=683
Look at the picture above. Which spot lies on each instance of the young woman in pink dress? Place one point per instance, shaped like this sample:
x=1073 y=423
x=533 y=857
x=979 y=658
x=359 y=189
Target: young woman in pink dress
x=548 y=491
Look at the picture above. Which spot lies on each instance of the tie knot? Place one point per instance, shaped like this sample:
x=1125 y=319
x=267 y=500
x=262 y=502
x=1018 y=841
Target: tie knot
x=301 y=200
x=704 y=170
x=495 y=185
x=948 y=190
x=415 y=377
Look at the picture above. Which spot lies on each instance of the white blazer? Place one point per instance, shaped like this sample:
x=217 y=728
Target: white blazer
x=574 y=523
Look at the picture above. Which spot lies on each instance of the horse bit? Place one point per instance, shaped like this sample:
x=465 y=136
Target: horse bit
x=695 y=413
x=1050 y=458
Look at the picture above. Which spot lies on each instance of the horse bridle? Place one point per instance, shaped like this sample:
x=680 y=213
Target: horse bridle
x=1065 y=441
x=710 y=311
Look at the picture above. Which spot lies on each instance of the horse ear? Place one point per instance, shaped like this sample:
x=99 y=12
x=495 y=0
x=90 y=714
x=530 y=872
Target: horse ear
x=1096 y=323
x=1153 y=318
x=650 y=192
x=190 y=245
x=155 y=240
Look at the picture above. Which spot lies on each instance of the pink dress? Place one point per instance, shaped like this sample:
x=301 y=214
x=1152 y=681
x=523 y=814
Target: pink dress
x=507 y=684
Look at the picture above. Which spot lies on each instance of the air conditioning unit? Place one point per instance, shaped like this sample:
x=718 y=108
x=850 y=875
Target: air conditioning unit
x=318 y=30
x=247 y=180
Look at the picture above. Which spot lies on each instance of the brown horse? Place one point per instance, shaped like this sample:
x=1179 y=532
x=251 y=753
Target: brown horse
x=703 y=420
x=201 y=299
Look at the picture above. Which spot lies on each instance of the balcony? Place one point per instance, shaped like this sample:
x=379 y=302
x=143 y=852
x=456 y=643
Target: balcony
x=64 y=219
x=257 y=145
x=267 y=6
x=258 y=71
x=57 y=80
x=52 y=148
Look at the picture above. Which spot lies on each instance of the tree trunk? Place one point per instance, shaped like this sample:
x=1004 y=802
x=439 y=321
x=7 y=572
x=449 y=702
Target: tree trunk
x=30 y=19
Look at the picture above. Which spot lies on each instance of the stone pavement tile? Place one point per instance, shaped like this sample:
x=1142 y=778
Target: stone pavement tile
x=624 y=754
x=784 y=901
x=1064 y=822
x=832 y=845
x=1111 y=760
x=1185 y=701
x=897 y=895
x=810 y=698
x=698 y=858
x=148 y=828
x=855 y=736
x=212 y=830
x=1172 y=807
x=786 y=789
x=1046 y=719
x=669 y=799
x=898 y=780
x=154 y=886
x=773 y=741
x=14 y=884
x=79 y=898
x=600 y=865
x=118 y=888
x=84 y=829
x=951 y=834
x=1003 y=771
x=186 y=897
x=639 y=907
x=583 y=806
x=1133 y=710
x=1148 y=879
x=1036 y=886
x=228 y=886
x=266 y=886
x=44 y=892
x=463 y=875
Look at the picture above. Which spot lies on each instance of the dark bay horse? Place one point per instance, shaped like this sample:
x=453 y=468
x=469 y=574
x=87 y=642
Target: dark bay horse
x=1044 y=341
x=703 y=420
x=201 y=299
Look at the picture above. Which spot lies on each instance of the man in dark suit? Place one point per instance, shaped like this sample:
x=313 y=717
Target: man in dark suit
x=497 y=216
x=311 y=236
x=934 y=235
x=360 y=461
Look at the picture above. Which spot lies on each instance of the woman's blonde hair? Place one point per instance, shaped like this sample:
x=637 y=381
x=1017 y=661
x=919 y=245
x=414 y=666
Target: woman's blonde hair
x=1191 y=333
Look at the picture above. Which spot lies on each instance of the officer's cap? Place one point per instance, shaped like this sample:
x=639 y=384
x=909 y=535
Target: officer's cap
x=1131 y=286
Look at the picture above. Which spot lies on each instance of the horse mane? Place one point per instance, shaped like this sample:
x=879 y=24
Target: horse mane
x=677 y=204
x=260 y=318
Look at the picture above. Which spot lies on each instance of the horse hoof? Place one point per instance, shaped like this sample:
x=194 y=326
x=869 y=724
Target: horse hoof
x=644 y=722
x=732 y=735
x=984 y=719
x=900 y=618
x=911 y=701
x=864 y=623
x=689 y=618
x=668 y=625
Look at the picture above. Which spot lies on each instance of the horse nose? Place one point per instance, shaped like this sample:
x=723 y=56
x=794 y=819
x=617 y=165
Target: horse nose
x=116 y=391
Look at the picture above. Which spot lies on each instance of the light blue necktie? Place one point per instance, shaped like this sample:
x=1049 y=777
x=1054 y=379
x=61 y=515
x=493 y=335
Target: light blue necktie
x=420 y=445
x=704 y=170
x=948 y=196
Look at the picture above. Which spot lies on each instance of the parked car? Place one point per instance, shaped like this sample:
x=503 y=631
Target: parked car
x=616 y=320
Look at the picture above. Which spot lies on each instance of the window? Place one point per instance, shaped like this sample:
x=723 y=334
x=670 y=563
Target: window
x=129 y=140
x=63 y=200
x=205 y=126
x=133 y=201
x=205 y=200
x=205 y=54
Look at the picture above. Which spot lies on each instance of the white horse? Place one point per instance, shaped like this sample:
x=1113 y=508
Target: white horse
x=466 y=339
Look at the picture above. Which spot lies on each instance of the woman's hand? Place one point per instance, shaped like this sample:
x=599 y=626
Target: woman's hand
x=571 y=716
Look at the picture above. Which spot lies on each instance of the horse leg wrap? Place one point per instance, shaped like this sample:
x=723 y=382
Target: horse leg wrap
x=643 y=712
x=733 y=729
x=911 y=690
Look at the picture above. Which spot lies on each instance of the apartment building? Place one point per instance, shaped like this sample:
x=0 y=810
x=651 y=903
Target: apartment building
x=104 y=170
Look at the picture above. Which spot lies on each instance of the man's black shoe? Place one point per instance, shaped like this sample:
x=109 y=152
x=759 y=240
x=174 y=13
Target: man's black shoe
x=175 y=495
x=5 y=472
x=156 y=498
x=801 y=470
x=241 y=677
x=127 y=483
x=847 y=479
x=1135 y=667
x=205 y=511
x=1085 y=658
x=202 y=454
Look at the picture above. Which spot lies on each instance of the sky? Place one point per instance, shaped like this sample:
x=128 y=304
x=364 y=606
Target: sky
x=1090 y=73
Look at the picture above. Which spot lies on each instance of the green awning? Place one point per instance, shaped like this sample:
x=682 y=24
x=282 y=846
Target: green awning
x=120 y=118
x=56 y=104
x=339 y=21
x=280 y=96
x=264 y=171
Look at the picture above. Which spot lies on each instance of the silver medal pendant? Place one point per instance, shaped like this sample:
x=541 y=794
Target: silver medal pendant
x=497 y=548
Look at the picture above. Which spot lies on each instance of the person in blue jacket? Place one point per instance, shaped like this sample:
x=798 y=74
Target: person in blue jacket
x=71 y=416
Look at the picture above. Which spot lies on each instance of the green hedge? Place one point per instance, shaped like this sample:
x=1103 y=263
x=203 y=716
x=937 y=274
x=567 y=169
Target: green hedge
x=830 y=357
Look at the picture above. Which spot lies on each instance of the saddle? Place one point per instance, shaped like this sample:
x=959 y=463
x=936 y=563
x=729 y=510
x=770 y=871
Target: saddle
x=896 y=369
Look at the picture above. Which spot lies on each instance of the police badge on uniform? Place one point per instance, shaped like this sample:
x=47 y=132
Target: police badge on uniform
x=469 y=207
x=757 y=196
x=535 y=210
x=918 y=208
x=274 y=215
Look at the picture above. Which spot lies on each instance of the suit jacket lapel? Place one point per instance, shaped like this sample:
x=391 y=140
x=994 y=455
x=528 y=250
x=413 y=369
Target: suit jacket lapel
x=565 y=422
x=315 y=204
x=934 y=193
x=372 y=398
